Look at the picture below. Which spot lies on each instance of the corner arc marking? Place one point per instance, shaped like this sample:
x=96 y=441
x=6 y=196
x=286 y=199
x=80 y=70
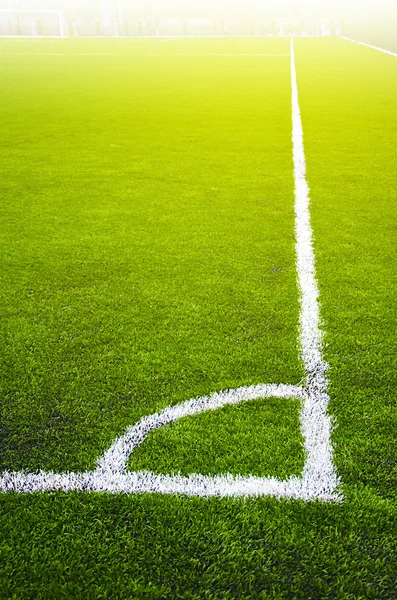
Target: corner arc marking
x=319 y=479
x=115 y=459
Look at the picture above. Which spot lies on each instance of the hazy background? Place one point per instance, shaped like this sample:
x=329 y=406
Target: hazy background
x=374 y=21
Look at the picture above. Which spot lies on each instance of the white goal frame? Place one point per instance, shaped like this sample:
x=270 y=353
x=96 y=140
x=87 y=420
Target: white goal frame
x=59 y=14
x=318 y=481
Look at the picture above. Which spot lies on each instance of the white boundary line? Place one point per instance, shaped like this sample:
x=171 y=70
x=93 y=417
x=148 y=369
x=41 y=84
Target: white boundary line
x=318 y=480
x=33 y=37
x=369 y=46
x=200 y=54
x=27 y=11
x=162 y=37
x=131 y=55
x=31 y=54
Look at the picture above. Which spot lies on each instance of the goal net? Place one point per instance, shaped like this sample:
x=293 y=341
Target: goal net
x=33 y=23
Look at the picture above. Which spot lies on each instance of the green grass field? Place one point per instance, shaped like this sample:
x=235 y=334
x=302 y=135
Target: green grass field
x=148 y=257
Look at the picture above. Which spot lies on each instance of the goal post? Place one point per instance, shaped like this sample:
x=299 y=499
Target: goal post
x=33 y=23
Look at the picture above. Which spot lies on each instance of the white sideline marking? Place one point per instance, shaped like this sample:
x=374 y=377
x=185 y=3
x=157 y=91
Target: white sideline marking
x=131 y=55
x=31 y=54
x=63 y=54
x=248 y=54
x=318 y=480
x=102 y=54
x=200 y=54
x=369 y=46
x=158 y=38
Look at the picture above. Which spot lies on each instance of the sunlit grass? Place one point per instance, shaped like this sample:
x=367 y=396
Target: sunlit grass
x=148 y=257
x=148 y=243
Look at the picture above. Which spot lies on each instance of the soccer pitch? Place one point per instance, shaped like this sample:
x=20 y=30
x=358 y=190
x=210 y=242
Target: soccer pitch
x=159 y=245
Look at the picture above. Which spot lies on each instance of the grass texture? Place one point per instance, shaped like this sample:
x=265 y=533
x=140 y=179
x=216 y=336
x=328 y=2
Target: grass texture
x=148 y=257
x=145 y=261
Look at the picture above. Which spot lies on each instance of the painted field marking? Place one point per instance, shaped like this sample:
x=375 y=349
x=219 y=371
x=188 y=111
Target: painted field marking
x=159 y=38
x=58 y=54
x=165 y=55
x=200 y=54
x=369 y=46
x=248 y=54
x=31 y=54
x=318 y=480
x=102 y=54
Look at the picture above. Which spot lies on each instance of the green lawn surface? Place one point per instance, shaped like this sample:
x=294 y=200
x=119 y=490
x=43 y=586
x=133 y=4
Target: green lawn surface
x=148 y=257
x=148 y=247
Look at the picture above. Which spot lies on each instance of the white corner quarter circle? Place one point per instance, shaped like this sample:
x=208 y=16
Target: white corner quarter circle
x=318 y=479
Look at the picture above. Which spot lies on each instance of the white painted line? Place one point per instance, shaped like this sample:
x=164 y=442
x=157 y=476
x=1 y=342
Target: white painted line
x=116 y=458
x=145 y=481
x=60 y=54
x=247 y=54
x=318 y=480
x=20 y=10
x=165 y=55
x=369 y=46
x=32 y=37
x=160 y=37
x=101 y=54
x=169 y=40
x=200 y=54
x=31 y=54
x=315 y=422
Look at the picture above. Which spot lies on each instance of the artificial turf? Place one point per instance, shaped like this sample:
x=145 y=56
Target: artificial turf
x=147 y=261
x=148 y=257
